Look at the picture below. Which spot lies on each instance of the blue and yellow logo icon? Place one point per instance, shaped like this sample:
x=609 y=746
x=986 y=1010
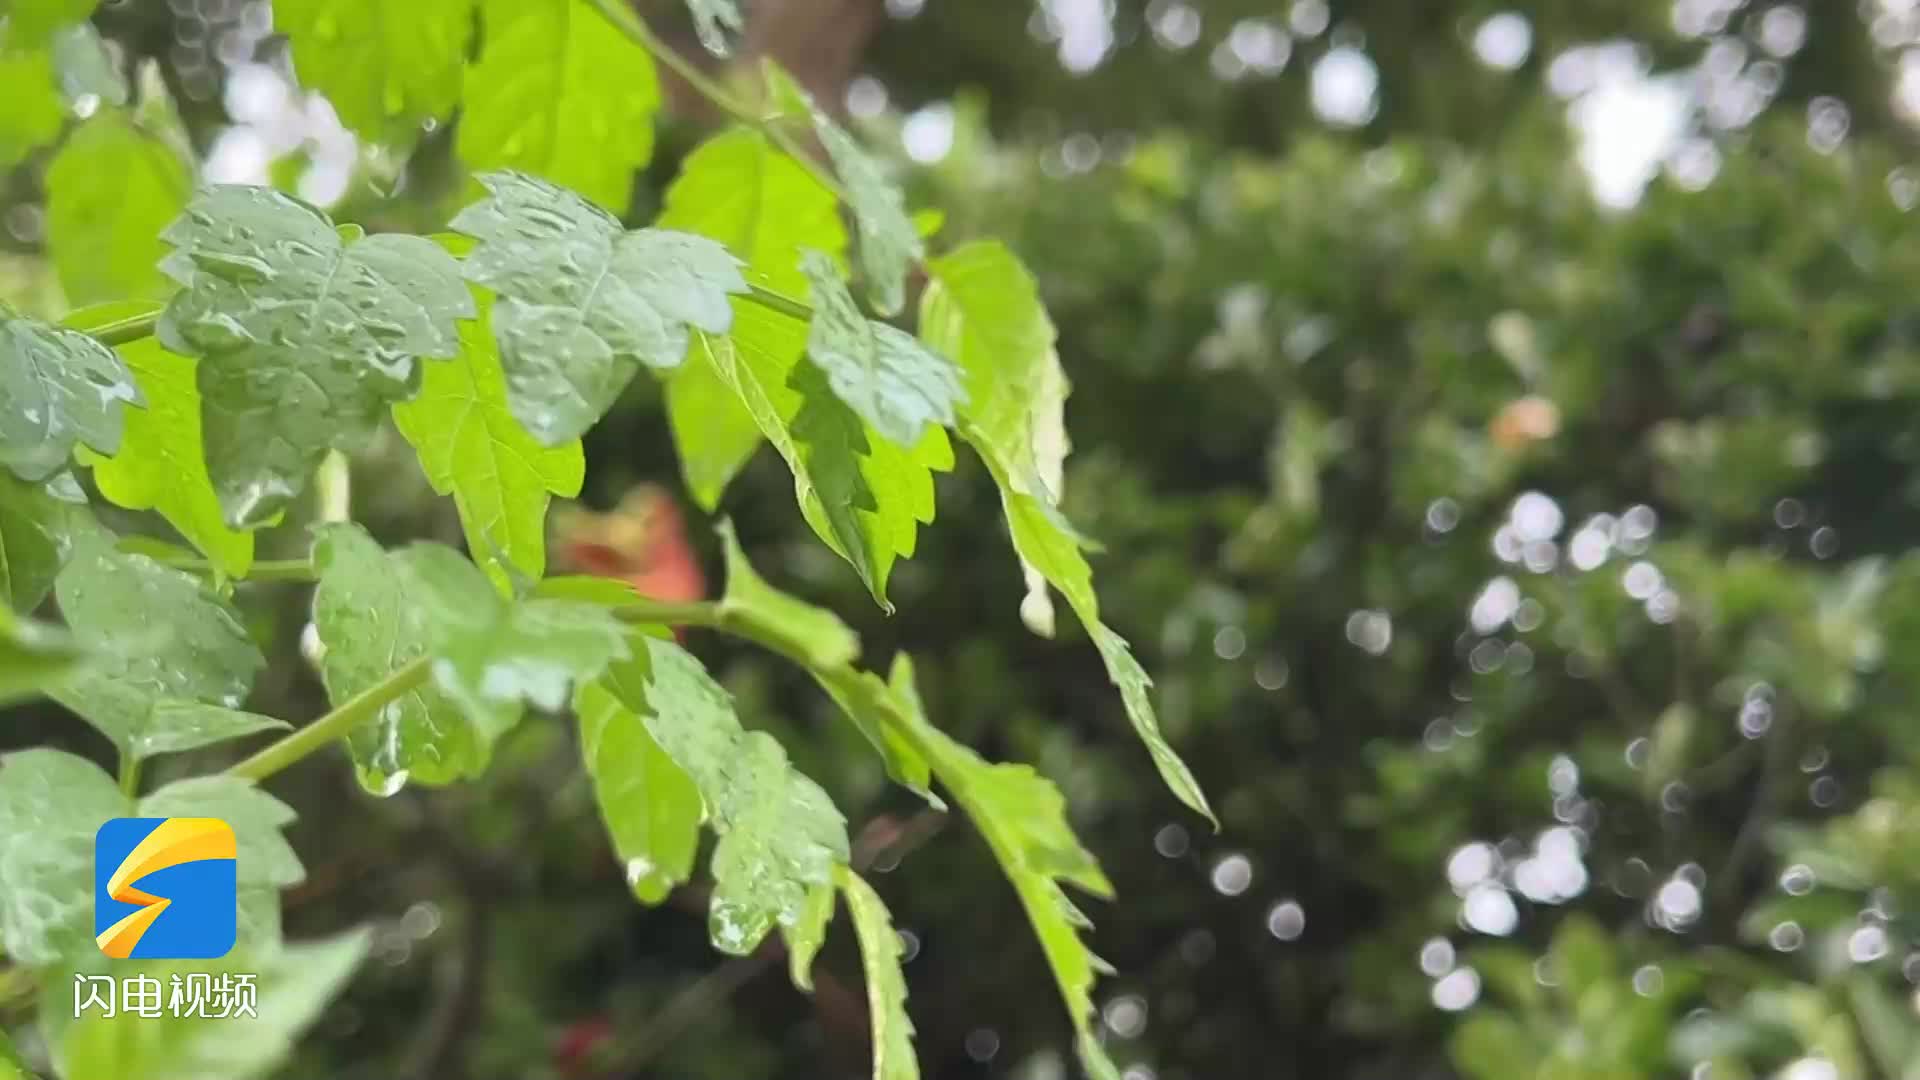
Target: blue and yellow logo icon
x=165 y=888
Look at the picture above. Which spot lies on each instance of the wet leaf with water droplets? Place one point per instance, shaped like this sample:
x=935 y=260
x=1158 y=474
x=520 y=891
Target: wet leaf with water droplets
x=893 y=381
x=159 y=639
x=472 y=448
x=303 y=339
x=51 y=804
x=582 y=303
x=780 y=835
x=561 y=93
x=57 y=388
x=33 y=656
x=1023 y=817
x=385 y=67
x=807 y=934
x=889 y=243
x=651 y=806
x=161 y=464
x=491 y=656
x=366 y=619
x=38 y=525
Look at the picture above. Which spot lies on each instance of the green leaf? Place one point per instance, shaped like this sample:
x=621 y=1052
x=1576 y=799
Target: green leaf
x=651 y=807
x=886 y=984
x=893 y=381
x=264 y=857
x=162 y=464
x=302 y=338
x=369 y=626
x=34 y=112
x=33 y=656
x=739 y=189
x=982 y=307
x=38 y=524
x=559 y=92
x=293 y=985
x=863 y=495
x=33 y=21
x=582 y=303
x=815 y=638
x=57 y=388
x=1024 y=820
x=713 y=20
x=160 y=639
x=384 y=67
x=492 y=656
x=889 y=243
x=807 y=934
x=472 y=448
x=51 y=804
x=1045 y=541
x=110 y=191
x=88 y=70
x=780 y=835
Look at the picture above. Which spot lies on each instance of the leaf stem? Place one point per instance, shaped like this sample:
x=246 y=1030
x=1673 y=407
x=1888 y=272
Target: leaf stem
x=779 y=302
x=263 y=570
x=355 y=711
x=129 y=329
x=622 y=17
x=129 y=774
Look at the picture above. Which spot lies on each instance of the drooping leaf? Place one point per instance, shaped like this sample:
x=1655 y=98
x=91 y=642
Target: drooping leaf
x=1043 y=540
x=33 y=656
x=492 y=656
x=38 y=525
x=651 y=806
x=292 y=986
x=110 y=191
x=384 y=67
x=889 y=243
x=893 y=381
x=302 y=338
x=807 y=934
x=472 y=448
x=1023 y=818
x=865 y=496
x=368 y=623
x=561 y=93
x=780 y=835
x=159 y=639
x=34 y=110
x=51 y=804
x=713 y=20
x=582 y=303
x=886 y=984
x=161 y=464
x=815 y=638
x=57 y=388
x=739 y=189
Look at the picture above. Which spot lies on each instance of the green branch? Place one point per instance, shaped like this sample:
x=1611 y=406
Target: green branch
x=622 y=17
x=779 y=303
x=357 y=710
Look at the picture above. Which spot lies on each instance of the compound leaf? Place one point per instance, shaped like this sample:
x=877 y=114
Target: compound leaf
x=561 y=93
x=780 y=835
x=472 y=448
x=368 y=626
x=302 y=337
x=582 y=303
